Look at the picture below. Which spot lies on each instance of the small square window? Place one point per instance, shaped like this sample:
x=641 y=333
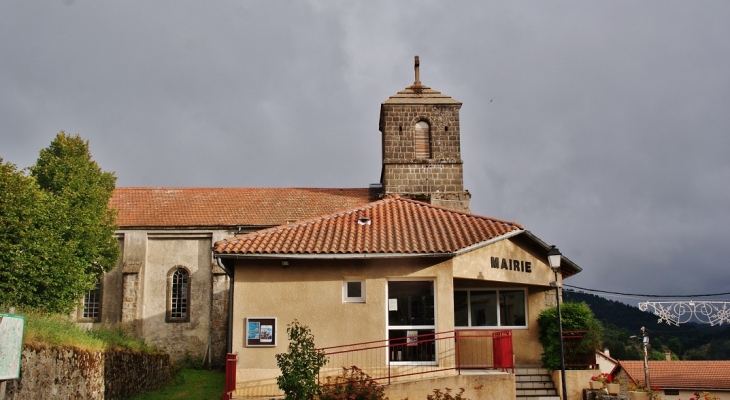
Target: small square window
x=353 y=291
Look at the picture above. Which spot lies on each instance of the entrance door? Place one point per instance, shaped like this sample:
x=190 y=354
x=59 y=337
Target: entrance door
x=411 y=321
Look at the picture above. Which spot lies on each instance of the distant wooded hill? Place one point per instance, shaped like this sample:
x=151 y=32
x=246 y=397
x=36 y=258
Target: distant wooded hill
x=620 y=321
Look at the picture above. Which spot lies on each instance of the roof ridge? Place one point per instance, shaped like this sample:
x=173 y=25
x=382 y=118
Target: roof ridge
x=451 y=210
x=373 y=210
x=304 y=222
x=237 y=187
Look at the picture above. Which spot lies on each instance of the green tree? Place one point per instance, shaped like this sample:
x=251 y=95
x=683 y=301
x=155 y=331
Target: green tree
x=675 y=345
x=57 y=232
x=300 y=364
x=27 y=240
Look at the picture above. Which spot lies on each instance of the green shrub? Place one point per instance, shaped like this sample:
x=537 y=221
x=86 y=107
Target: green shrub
x=439 y=395
x=575 y=317
x=354 y=384
x=300 y=364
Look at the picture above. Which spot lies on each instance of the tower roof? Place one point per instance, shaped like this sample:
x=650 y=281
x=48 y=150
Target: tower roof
x=419 y=93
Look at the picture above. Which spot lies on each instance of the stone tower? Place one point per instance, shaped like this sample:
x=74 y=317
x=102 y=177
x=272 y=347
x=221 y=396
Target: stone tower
x=421 y=146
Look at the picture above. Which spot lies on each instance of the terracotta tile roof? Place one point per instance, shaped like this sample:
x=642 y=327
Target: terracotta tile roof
x=208 y=207
x=391 y=226
x=694 y=375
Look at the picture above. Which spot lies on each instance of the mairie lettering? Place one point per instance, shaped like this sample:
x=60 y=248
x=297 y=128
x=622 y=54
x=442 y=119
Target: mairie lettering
x=511 y=265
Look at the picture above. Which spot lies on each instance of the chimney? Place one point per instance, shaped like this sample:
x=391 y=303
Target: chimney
x=668 y=355
x=607 y=352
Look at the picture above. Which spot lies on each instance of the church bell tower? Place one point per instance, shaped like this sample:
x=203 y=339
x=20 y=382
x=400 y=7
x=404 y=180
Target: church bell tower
x=422 y=146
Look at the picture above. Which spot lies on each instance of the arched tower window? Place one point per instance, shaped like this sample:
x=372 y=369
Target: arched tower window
x=178 y=299
x=423 y=140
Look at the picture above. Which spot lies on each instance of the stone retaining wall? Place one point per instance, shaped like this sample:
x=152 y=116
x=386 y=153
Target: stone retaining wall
x=65 y=373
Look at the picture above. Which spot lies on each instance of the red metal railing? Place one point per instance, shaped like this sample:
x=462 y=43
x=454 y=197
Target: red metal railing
x=425 y=354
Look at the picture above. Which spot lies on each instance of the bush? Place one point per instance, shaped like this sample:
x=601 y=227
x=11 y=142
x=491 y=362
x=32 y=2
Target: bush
x=575 y=317
x=354 y=384
x=300 y=364
x=439 y=395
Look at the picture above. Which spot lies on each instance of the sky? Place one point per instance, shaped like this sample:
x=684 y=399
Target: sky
x=601 y=126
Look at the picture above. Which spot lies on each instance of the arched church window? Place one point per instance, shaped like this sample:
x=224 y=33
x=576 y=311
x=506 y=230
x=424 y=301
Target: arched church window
x=423 y=140
x=178 y=299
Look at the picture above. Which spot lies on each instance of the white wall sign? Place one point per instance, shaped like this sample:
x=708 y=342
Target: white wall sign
x=11 y=345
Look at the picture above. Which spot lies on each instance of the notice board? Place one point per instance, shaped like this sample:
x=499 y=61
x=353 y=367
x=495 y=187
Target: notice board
x=260 y=332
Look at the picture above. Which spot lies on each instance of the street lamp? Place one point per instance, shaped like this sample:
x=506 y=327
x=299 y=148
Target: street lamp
x=645 y=344
x=554 y=256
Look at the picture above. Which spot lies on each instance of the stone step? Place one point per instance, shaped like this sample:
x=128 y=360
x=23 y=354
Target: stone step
x=536 y=392
x=540 y=398
x=532 y=371
x=535 y=385
x=533 y=378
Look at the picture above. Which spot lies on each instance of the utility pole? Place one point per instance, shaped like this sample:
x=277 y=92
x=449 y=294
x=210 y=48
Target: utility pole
x=645 y=340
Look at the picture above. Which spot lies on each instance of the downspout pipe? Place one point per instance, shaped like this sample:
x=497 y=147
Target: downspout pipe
x=229 y=333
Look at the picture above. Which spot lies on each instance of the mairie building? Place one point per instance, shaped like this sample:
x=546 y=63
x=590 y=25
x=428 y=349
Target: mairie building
x=207 y=272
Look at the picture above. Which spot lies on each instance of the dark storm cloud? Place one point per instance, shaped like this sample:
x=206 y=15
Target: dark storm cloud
x=600 y=126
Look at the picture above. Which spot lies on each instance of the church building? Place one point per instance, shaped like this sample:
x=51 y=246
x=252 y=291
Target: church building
x=210 y=271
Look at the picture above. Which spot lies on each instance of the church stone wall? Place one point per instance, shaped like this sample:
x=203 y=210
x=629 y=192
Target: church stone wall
x=65 y=373
x=399 y=132
x=423 y=178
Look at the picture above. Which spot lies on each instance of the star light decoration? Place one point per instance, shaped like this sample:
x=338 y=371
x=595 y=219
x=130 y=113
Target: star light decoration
x=681 y=312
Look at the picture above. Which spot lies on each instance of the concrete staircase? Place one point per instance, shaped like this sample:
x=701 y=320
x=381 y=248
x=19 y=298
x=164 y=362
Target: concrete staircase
x=535 y=384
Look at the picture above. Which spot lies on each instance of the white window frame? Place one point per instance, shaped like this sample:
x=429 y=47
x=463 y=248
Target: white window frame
x=389 y=327
x=353 y=299
x=499 y=316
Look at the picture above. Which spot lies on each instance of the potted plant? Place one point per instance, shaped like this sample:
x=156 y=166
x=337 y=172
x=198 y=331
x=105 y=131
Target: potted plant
x=597 y=381
x=641 y=392
x=614 y=385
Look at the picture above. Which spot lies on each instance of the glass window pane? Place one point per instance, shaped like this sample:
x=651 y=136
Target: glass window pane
x=412 y=345
x=414 y=301
x=461 y=308
x=354 y=289
x=179 y=293
x=92 y=299
x=483 y=308
x=512 y=307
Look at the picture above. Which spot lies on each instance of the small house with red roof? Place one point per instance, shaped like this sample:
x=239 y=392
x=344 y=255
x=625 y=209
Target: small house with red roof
x=679 y=380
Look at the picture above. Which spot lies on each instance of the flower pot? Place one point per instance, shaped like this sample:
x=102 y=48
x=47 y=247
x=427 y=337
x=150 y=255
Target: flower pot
x=613 y=388
x=595 y=385
x=639 y=395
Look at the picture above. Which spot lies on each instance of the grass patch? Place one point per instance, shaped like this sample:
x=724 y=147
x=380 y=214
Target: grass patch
x=57 y=331
x=194 y=384
x=54 y=330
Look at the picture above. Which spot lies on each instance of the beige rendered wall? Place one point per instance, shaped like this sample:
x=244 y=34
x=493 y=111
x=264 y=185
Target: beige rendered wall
x=575 y=382
x=476 y=386
x=311 y=292
x=164 y=255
